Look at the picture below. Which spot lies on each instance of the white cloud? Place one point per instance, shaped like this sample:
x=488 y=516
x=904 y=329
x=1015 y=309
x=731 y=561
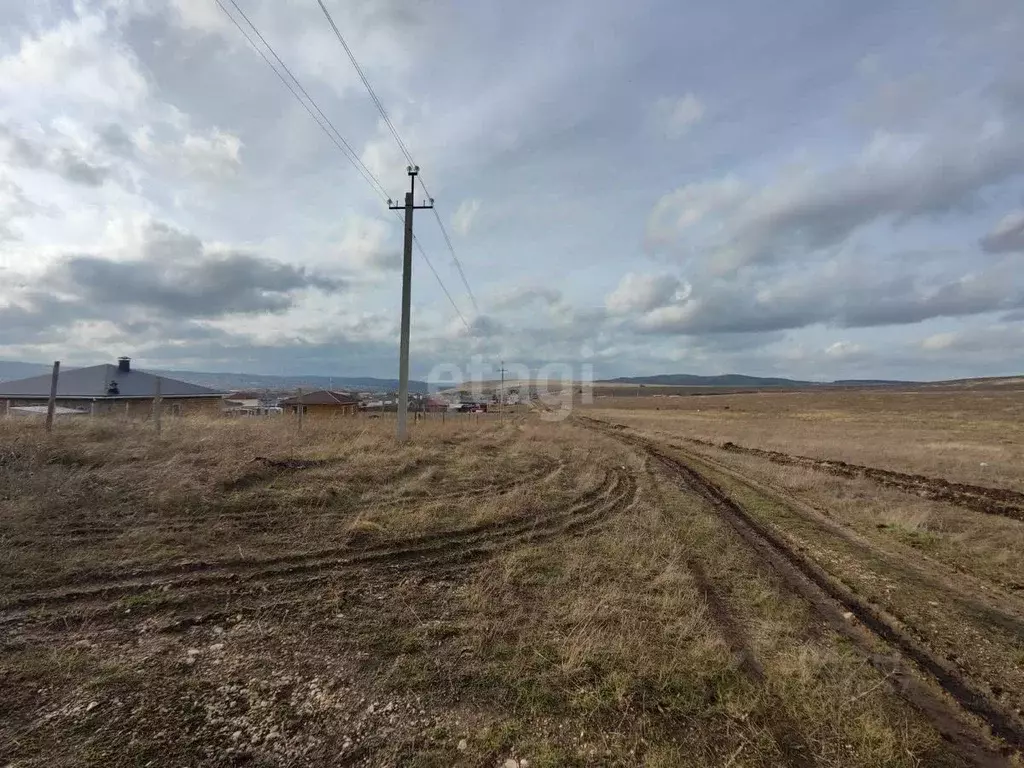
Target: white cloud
x=843 y=350
x=158 y=109
x=364 y=248
x=674 y=117
x=700 y=203
x=385 y=159
x=940 y=341
x=642 y=293
x=215 y=155
x=77 y=61
x=976 y=343
x=199 y=15
x=464 y=216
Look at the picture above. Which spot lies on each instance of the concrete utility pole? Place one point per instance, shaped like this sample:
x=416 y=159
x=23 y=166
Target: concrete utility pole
x=501 y=394
x=403 y=350
x=157 y=401
x=51 y=404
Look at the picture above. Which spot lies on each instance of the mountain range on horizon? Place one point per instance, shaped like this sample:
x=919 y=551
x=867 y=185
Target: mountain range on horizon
x=740 y=380
x=10 y=370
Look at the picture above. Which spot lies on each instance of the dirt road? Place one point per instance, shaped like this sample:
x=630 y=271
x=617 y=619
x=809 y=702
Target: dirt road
x=928 y=663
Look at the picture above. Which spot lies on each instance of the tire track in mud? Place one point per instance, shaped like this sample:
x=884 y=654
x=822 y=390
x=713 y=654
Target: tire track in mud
x=271 y=519
x=216 y=581
x=785 y=732
x=787 y=735
x=830 y=597
x=294 y=561
x=980 y=498
x=919 y=565
x=918 y=568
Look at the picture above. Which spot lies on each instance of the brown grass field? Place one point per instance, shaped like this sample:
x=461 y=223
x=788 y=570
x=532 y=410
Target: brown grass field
x=807 y=579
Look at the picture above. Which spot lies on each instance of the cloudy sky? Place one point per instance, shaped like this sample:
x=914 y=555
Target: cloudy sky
x=815 y=189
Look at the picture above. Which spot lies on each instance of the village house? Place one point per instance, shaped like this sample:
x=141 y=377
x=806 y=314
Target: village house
x=102 y=389
x=324 y=402
x=245 y=403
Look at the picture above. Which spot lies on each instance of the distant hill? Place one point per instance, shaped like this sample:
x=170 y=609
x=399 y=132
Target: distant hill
x=724 y=380
x=10 y=370
x=739 y=380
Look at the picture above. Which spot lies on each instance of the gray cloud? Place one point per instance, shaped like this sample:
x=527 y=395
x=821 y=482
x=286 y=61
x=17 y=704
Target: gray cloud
x=525 y=296
x=38 y=317
x=63 y=161
x=484 y=327
x=173 y=280
x=175 y=275
x=13 y=205
x=850 y=296
x=162 y=102
x=73 y=168
x=373 y=260
x=895 y=178
x=1007 y=236
x=116 y=139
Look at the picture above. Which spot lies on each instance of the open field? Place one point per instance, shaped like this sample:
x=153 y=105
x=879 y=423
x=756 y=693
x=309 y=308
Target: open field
x=614 y=589
x=963 y=435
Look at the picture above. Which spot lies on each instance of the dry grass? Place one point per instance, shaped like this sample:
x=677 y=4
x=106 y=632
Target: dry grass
x=964 y=435
x=208 y=489
x=986 y=546
x=945 y=570
x=618 y=634
x=236 y=592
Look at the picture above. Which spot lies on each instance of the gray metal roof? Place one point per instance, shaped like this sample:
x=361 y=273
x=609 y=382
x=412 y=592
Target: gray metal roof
x=94 y=381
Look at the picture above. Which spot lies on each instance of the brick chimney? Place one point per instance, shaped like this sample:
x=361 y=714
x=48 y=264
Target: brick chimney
x=124 y=364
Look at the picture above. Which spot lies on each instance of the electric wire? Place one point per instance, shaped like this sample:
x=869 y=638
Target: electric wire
x=401 y=145
x=336 y=138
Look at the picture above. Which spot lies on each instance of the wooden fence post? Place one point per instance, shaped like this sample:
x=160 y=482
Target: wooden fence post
x=156 y=406
x=300 y=407
x=51 y=404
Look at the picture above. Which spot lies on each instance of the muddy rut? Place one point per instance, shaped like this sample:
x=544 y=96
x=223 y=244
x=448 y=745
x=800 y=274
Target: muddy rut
x=980 y=498
x=93 y=596
x=838 y=605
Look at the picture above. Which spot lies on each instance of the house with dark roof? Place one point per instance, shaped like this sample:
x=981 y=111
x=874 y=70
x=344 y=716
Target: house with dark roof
x=109 y=388
x=324 y=402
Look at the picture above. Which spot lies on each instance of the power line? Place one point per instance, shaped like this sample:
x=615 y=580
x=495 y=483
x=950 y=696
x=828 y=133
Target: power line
x=401 y=145
x=439 y=282
x=336 y=138
x=451 y=249
x=339 y=142
x=369 y=88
